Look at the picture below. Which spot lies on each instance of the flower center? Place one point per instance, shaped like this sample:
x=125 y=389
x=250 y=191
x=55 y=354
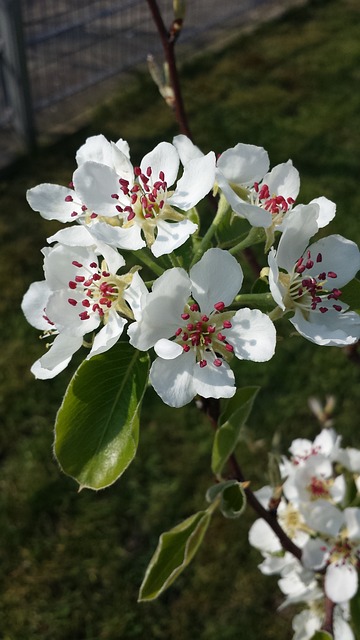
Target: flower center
x=275 y=204
x=308 y=291
x=319 y=488
x=98 y=291
x=146 y=198
x=206 y=335
x=344 y=551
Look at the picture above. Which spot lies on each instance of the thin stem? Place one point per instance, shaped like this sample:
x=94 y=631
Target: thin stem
x=205 y=243
x=149 y=262
x=258 y=299
x=328 y=624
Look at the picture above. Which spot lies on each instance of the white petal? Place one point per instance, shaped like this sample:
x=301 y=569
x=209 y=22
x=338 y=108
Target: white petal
x=57 y=358
x=186 y=149
x=352 y=518
x=252 y=335
x=327 y=210
x=163 y=158
x=295 y=238
x=49 y=201
x=262 y=537
x=76 y=236
x=121 y=237
x=349 y=458
x=244 y=164
x=332 y=329
x=34 y=304
x=171 y=235
x=342 y=630
x=58 y=264
x=123 y=146
x=341 y=582
x=96 y=183
x=214 y=382
x=97 y=149
x=66 y=315
x=283 y=180
x=315 y=554
x=173 y=379
x=257 y=216
x=108 y=335
x=322 y=516
x=134 y=294
x=339 y=255
x=277 y=290
x=196 y=182
x=167 y=349
x=217 y=277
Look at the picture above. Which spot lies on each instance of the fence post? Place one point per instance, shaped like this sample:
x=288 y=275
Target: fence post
x=15 y=73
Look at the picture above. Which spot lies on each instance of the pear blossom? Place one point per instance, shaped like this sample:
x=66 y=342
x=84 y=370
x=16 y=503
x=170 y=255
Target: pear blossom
x=265 y=198
x=307 y=622
x=76 y=297
x=308 y=279
x=337 y=551
x=129 y=207
x=185 y=319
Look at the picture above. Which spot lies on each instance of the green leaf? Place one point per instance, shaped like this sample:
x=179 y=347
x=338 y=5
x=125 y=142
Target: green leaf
x=351 y=294
x=321 y=635
x=97 y=425
x=174 y=552
x=233 y=418
x=232 y=497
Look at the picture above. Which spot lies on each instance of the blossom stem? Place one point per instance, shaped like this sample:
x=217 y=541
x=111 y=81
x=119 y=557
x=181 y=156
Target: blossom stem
x=328 y=624
x=149 y=262
x=276 y=314
x=175 y=261
x=254 y=299
x=223 y=208
x=255 y=235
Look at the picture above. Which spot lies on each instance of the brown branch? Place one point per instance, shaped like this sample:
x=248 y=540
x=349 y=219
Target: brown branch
x=168 y=40
x=328 y=624
x=211 y=407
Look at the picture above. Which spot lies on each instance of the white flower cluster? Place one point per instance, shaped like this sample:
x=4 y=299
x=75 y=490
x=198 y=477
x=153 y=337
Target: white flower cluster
x=316 y=514
x=188 y=318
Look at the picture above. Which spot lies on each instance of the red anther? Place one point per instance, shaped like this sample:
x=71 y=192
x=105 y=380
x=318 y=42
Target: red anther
x=322 y=276
x=93 y=216
x=103 y=300
x=84 y=315
x=190 y=326
x=123 y=182
x=68 y=199
x=264 y=192
x=85 y=303
x=207 y=340
x=185 y=316
x=157 y=185
x=300 y=269
x=221 y=337
x=204 y=319
x=227 y=324
x=73 y=214
x=76 y=263
x=148 y=172
x=137 y=171
x=71 y=184
x=199 y=326
x=96 y=307
x=202 y=363
x=219 y=306
x=79 y=278
x=125 y=190
x=93 y=265
x=161 y=204
x=148 y=215
x=72 y=301
x=217 y=362
x=88 y=283
x=319 y=257
x=83 y=207
x=211 y=329
x=256 y=186
x=162 y=175
x=151 y=197
x=185 y=336
x=131 y=216
x=332 y=274
x=135 y=188
x=144 y=201
x=323 y=309
x=115 y=196
x=72 y=285
x=309 y=264
x=178 y=331
x=186 y=348
x=133 y=198
x=194 y=307
x=229 y=347
x=290 y=200
x=337 y=307
x=143 y=178
x=195 y=340
x=96 y=276
x=105 y=274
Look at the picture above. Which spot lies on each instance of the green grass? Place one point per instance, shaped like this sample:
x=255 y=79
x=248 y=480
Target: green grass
x=72 y=563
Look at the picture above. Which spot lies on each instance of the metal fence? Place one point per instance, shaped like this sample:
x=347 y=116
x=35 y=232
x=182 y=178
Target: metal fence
x=51 y=50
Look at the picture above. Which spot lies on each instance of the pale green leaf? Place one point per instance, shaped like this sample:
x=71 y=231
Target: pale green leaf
x=232 y=497
x=233 y=418
x=174 y=552
x=321 y=635
x=97 y=425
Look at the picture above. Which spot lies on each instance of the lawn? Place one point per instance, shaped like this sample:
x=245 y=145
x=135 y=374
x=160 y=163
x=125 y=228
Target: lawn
x=72 y=562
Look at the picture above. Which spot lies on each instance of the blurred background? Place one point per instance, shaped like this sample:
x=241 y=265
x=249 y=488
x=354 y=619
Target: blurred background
x=282 y=75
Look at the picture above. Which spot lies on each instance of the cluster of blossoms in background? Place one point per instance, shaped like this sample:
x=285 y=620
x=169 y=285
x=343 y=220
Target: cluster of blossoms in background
x=188 y=318
x=316 y=512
